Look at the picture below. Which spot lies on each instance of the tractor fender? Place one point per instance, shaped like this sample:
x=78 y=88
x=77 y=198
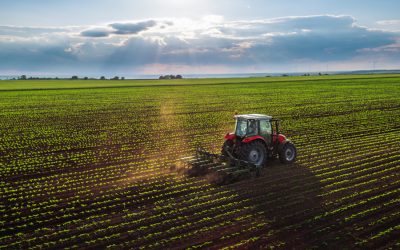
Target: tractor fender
x=280 y=137
x=253 y=138
x=230 y=136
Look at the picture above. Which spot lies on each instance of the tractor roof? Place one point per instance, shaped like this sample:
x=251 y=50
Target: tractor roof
x=254 y=116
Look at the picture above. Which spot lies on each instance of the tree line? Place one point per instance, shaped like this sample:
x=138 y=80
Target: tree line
x=163 y=77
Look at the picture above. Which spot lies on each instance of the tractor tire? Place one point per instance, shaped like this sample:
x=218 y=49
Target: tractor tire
x=287 y=153
x=254 y=152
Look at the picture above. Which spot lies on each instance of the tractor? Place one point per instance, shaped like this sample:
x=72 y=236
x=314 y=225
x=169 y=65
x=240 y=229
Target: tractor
x=255 y=140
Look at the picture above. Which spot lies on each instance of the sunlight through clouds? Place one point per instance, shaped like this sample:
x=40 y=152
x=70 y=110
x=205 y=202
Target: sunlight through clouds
x=210 y=43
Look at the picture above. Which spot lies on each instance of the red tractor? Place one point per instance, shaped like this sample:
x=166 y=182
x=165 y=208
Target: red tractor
x=255 y=140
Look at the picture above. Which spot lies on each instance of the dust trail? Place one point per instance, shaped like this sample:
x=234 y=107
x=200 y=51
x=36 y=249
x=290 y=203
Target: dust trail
x=163 y=149
x=170 y=121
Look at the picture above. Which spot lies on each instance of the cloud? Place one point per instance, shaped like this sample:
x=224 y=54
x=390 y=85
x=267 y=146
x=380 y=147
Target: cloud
x=31 y=31
x=392 y=25
x=32 y=55
x=132 y=28
x=282 y=44
x=318 y=38
x=120 y=29
x=95 y=33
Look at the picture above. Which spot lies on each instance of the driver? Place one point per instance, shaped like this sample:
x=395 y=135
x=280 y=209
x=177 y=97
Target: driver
x=252 y=127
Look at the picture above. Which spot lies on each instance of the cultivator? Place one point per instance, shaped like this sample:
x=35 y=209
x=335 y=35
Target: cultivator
x=218 y=168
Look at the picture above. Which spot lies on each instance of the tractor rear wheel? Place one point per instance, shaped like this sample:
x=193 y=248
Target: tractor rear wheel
x=288 y=153
x=254 y=152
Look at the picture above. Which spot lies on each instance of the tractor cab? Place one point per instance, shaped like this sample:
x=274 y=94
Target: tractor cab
x=251 y=125
x=254 y=124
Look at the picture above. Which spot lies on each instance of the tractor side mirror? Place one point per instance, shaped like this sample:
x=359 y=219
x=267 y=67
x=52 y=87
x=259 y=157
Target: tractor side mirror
x=277 y=126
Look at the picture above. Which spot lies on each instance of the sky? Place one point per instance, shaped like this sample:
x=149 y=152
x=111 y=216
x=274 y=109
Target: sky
x=128 y=37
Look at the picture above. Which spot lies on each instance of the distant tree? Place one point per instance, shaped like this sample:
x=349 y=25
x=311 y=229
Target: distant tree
x=122 y=78
x=170 y=77
x=23 y=77
x=85 y=78
x=115 y=78
x=319 y=74
x=74 y=77
x=102 y=78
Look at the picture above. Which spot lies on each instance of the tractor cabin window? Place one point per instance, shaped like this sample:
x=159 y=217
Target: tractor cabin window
x=241 y=127
x=265 y=127
x=252 y=128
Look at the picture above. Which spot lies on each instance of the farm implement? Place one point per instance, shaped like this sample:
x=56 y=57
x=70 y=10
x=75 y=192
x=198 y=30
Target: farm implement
x=219 y=168
x=255 y=140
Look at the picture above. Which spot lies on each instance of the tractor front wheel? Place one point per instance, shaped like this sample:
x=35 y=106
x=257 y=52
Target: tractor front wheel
x=288 y=153
x=254 y=152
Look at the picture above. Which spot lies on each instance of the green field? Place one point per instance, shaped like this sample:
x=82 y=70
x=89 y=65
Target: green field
x=87 y=164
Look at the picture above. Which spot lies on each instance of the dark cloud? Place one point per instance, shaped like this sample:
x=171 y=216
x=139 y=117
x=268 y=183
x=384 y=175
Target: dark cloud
x=132 y=28
x=95 y=33
x=339 y=44
x=120 y=29
x=35 y=55
x=134 y=52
